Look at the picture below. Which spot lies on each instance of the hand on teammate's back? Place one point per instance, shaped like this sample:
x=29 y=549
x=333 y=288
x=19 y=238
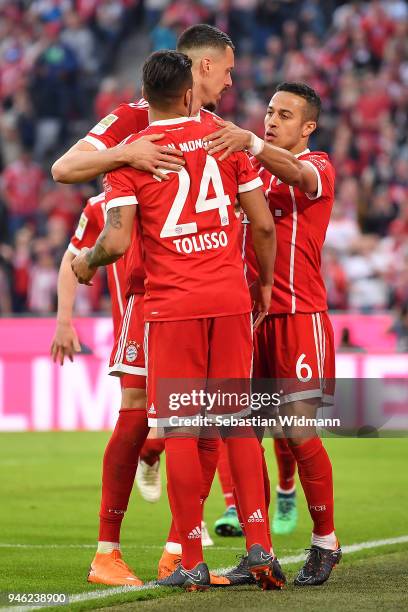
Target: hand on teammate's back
x=229 y=138
x=65 y=343
x=143 y=154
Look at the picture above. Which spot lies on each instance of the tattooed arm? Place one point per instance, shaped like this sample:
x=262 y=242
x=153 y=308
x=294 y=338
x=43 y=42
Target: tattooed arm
x=112 y=243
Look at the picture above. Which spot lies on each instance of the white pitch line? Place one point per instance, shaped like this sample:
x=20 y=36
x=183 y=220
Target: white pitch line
x=90 y=595
x=93 y=546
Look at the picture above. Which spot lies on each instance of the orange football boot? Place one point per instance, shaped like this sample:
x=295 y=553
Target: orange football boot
x=111 y=569
x=168 y=564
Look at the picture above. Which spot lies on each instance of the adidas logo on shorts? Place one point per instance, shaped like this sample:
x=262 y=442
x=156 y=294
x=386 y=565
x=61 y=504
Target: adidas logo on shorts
x=151 y=410
x=256 y=517
x=195 y=533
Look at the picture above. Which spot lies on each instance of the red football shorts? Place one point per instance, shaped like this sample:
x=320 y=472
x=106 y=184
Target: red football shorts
x=193 y=355
x=297 y=350
x=127 y=357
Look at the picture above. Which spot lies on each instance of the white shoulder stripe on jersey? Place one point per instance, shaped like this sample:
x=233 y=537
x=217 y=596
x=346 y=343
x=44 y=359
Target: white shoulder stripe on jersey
x=142 y=103
x=96 y=199
x=256 y=182
x=130 y=200
x=98 y=144
x=319 y=181
x=73 y=249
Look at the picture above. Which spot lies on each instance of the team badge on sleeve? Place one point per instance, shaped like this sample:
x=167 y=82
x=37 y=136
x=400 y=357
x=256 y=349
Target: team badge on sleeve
x=82 y=223
x=102 y=126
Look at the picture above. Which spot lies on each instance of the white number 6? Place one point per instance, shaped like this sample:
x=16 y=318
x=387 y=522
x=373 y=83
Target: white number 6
x=305 y=367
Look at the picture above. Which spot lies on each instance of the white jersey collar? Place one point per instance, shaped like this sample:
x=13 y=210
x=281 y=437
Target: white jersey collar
x=302 y=153
x=176 y=120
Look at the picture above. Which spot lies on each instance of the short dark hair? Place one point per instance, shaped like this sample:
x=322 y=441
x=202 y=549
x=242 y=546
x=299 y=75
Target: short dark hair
x=307 y=93
x=203 y=35
x=166 y=76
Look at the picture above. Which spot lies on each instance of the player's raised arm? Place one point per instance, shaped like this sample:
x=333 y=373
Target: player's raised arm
x=83 y=162
x=65 y=342
x=280 y=162
x=264 y=240
x=291 y=118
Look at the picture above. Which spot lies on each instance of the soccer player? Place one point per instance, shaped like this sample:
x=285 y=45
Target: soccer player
x=212 y=54
x=91 y=222
x=197 y=304
x=105 y=566
x=295 y=341
x=119 y=466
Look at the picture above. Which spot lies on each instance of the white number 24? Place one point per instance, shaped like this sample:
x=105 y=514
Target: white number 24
x=211 y=173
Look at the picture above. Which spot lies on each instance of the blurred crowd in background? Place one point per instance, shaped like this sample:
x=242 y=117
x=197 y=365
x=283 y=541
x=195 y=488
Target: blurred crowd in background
x=59 y=74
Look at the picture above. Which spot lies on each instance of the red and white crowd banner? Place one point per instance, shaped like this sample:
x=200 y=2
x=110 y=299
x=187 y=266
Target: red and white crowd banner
x=38 y=395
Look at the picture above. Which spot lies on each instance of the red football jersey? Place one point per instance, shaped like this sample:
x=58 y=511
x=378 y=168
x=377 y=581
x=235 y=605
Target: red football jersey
x=301 y=224
x=190 y=233
x=90 y=225
x=113 y=129
x=119 y=124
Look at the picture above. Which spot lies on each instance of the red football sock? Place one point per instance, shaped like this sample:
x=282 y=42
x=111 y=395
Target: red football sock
x=224 y=474
x=208 y=452
x=245 y=458
x=286 y=464
x=173 y=533
x=315 y=474
x=151 y=451
x=184 y=490
x=267 y=490
x=119 y=469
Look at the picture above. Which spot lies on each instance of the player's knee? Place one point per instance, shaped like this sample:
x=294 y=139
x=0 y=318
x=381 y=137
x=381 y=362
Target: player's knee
x=133 y=399
x=298 y=439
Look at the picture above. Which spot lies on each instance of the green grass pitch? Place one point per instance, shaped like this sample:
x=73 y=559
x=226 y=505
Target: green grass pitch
x=49 y=492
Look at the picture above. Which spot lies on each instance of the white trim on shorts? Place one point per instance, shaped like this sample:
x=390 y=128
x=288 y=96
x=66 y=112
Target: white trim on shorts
x=120 y=368
x=301 y=395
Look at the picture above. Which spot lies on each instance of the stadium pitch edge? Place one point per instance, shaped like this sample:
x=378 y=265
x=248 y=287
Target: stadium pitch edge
x=101 y=594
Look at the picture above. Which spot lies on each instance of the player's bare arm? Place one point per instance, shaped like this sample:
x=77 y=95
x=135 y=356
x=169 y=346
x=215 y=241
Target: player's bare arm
x=112 y=243
x=83 y=162
x=264 y=240
x=65 y=342
x=280 y=162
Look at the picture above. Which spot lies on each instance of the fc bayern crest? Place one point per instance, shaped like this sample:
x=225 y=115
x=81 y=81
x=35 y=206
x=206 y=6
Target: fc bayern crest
x=132 y=351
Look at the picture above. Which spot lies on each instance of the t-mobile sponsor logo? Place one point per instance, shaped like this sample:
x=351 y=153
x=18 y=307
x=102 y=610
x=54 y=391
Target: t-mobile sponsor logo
x=256 y=517
x=195 y=533
x=321 y=508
